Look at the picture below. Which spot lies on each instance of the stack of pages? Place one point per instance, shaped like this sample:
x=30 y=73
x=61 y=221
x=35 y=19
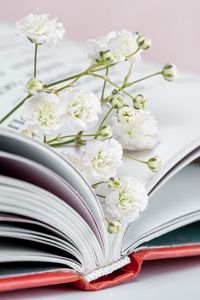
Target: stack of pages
x=52 y=226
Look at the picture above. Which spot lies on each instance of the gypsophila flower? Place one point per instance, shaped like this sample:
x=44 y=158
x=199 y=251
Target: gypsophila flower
x=34 y=86
x=117 y=101
x=143 y=42
x=125 y=204
x=169 y=72
x=40 y=29
x=139 y=101
x=126 y=115
x=106 y=58
x=154 y=163
x=114 y=226
x=82 y=108
x=44 y=113
x=139 y=135
x=106 y=132
x=114 y=183
x=121 y=44
x=98 y=160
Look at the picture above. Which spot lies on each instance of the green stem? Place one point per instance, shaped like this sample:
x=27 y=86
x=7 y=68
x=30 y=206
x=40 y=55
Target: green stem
x=35 y=61
x=144 y=78
x=97 y=183
x=14 y=109
x=134 y=158
x=133 y=53
x=79 y=75
x=101 y=196
x=113 y=84
x=71 y=135
x=104 y=119
x=63 y=143
x=104 y=85
x=126 y=78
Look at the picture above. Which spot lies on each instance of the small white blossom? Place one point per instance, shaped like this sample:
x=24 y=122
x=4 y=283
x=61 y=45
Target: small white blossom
x=125 y=204
x=98 y=160
x=106 y=58
x=82 y=108
x=34 y=86
x=106 y=132
x=126 y=115
x=44 y=113
x=169 y=72
x=39 y=29
x=121 y=44
x=154 y=163
x=139 y=135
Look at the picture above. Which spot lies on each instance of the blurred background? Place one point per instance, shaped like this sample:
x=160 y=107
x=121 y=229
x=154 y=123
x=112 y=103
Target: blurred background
x=173 y=25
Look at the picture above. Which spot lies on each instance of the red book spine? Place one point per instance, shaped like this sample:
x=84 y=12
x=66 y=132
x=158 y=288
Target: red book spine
x=127 y=273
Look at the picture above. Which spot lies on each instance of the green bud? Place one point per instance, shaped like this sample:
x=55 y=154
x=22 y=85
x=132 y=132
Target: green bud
x=139 y=101
x=143 y=42
x=106 y=132
x=154 y=164
x=114 y=227
x=114 y=183
x=169 y=72
x=34 y=86
x=107 y=58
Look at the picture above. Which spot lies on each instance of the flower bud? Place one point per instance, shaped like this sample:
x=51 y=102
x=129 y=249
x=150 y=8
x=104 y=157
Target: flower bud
x=117 y=101
x=114 y=183
x=106 y=132
x=169 y=72
x=126 y=114
x=28 y=133
x=143 y=42
x=114 y=226
x=107 y=58
x=154 y=164
x=34 y=86
x=139 y=101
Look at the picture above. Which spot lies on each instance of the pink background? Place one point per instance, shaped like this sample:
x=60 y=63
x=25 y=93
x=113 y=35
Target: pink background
x=173 y=26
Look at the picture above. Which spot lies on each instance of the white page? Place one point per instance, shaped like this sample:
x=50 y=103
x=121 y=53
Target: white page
x=178 y=197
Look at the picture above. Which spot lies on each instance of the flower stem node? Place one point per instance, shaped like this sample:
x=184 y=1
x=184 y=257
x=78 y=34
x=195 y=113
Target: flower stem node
x=106 y=132
x=34 y=86
x=28 y=133
x=114 y=226
x=114 y=183
x=169 y=72
x=139 y=101
x=143 y=42
x=154 y=164
x=126 y=114
x=106 y=58
x=117 y=101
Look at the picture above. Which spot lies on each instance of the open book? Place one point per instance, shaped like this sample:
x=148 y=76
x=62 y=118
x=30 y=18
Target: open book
x=52 y=226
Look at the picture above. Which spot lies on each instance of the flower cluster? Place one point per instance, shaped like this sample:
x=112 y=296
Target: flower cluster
x=105 y=125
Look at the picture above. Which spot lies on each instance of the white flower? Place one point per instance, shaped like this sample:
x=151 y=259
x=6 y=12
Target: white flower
x=40 y=29
x=125 y=204
x=117 y=101
x=141 y=134
x=34 y=86
x=121 y=45
x=139 y=101
x=154 y=163
x=114 y=183
x=99 y=160
x=44 y=113
x=169 y=72
x=126 y=114
x=82 y=107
